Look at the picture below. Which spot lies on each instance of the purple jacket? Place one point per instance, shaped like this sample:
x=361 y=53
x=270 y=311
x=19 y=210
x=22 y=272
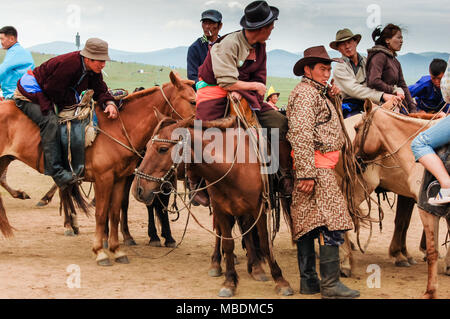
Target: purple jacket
x=59 y=79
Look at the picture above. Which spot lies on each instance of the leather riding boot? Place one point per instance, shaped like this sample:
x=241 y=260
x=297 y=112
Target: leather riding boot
x=53 y=165
x=330 y=285
x=201 y=197
x=306 y=256
x=286 y=180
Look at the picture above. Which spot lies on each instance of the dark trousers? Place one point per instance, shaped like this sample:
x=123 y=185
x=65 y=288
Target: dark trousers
x=50 y=139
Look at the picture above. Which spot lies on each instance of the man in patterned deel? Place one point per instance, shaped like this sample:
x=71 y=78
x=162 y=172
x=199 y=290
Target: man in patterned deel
x=318 y=208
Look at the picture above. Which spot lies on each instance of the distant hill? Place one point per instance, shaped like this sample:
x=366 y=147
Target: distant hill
x=279 y=62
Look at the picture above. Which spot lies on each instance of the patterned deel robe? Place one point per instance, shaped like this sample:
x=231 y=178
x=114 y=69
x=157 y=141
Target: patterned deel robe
x=314 y=125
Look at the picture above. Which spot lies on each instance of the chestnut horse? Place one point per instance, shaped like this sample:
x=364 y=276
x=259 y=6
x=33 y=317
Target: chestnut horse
x=383 y=132
x=235 y=187
x=112 y=157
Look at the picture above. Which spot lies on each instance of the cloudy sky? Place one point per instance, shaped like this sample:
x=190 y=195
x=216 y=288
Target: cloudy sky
x=147 y=25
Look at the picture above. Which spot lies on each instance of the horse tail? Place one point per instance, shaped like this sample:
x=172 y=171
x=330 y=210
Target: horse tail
x=71 y=197
x=5 y=227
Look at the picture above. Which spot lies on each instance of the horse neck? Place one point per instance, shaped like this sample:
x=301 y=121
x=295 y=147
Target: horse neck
x=397 y=133
x=139 y=117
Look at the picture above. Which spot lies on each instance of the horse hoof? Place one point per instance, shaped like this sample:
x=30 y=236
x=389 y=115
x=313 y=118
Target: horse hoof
x=447 y=271
x=104 y=262
x=260 y=277
x=42 y=203
x=285 y=291
x=69 y=233
x=155 y=243
x=226 y=292
x=122 y=260
x=346 y=273
x=402 y=263
x=24 y=196
x=105 y=244
x=412 y=261
x=214 y=272
x=129 y=242
x=171 y=244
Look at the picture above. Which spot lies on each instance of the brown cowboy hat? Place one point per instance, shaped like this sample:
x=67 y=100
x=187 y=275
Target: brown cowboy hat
x=313 y=55
x=96 y=49
x=344 y=35
x=258 y=14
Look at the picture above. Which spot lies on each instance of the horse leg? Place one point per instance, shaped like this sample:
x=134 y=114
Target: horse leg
x=429 y=224
x=154 y=241
x=15 y=193
x=5 y=227
x=397 y=249
x=127 y=238
x=215 y=270
x=161 y=204
x=114 y=220
x=282 y=286
x=251 y=244
x=103 y=190
x=346 y=255
x=225 y=222
x=47 y=198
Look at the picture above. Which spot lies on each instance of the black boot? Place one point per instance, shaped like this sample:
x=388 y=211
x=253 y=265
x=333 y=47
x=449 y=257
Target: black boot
x=306 y=256
x=330 y=285
x=53 y=165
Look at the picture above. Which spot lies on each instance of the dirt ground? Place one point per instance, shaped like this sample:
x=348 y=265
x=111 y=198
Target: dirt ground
x=40 y=262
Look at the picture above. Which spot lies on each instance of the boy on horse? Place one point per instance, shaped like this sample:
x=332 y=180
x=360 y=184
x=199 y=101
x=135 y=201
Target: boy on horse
x=236 y=64
x=318 y=206
x=56 y=84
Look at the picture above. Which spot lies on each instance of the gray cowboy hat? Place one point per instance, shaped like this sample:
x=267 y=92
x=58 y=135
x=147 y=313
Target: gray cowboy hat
x=344 y=35
x=316 y=54
x=258 y=14
x=212 y=15
x=96 y=49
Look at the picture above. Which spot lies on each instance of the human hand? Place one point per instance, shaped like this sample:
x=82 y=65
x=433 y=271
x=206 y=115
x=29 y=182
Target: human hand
x=306 y=185
x=400 y=95
x=111 y=110
x=260 y=88
x=236 y=96
x=333 y=90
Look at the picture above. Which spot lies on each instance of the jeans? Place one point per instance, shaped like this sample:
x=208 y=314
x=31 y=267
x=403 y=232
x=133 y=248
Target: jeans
x=436 y=136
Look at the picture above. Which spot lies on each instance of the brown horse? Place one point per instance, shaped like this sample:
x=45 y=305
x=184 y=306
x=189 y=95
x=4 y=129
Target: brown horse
x=385 y=132
x=108 y=162
x=235 y=187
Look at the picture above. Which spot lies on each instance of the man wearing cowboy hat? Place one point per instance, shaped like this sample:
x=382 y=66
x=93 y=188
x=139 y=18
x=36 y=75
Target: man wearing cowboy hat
x=272 y=98
x=236 y=64
x=211 y=24
x=318 y=207
x=350 y=76
x=59 y=82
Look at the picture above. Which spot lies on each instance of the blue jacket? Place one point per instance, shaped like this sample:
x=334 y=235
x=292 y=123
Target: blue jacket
x=196 y=55
x=428 y=97
x=17 y=61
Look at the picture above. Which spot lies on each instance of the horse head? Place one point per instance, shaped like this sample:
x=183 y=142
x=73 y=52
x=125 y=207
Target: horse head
x=367 y=143
x=158 y=169
x=182 y=98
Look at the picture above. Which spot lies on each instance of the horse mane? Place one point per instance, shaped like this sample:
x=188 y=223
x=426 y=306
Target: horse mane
x=405 y=118
x=136 y=95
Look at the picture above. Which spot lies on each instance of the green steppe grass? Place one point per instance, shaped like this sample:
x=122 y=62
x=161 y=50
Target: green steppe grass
x=126 y=76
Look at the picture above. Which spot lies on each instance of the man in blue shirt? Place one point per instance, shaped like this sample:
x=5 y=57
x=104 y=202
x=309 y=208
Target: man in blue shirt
x=211 y=25
x=427 y=91
x=17 y=61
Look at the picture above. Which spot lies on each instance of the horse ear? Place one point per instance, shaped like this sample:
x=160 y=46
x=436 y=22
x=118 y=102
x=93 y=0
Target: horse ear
x=368 y=106
x=159 y=115
x=175 y=79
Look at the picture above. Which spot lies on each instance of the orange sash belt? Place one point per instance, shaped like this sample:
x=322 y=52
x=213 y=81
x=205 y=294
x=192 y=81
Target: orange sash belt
x=327 y=160
x=210 y=92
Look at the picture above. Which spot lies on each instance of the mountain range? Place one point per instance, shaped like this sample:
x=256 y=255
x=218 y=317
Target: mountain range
x=279 y=62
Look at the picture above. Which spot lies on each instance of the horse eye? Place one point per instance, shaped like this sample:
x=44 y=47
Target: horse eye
x=163 y=150
x=193 y=103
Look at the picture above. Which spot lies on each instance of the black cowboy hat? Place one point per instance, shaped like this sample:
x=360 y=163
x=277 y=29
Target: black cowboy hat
x=313 y=55
x=258 y=14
